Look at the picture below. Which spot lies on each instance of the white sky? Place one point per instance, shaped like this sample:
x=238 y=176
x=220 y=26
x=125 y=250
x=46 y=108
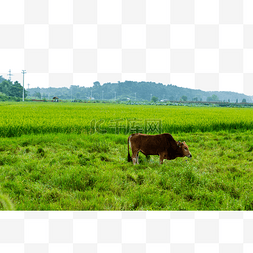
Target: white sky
x=227 y=59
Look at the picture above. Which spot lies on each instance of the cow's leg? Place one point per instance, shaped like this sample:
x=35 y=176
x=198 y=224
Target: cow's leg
x=137 y=157
x=134 y=157
x=161 y=158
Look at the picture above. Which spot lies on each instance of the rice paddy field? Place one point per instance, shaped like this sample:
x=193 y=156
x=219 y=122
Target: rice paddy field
x=69 y=156
x=29 y=118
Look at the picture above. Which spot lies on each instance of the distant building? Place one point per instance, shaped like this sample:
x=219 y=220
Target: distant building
x=55 y=99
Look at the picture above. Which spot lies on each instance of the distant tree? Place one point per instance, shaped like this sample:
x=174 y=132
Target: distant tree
x=17 y=90
x=96 y=84
x=5 y=87
x=1 y=79
x=213 y=98
x=195 y=99
x=244 y=100
x=184 y=98
x=37 y=95
x=229 y=100
x=3 y=97
x=236 y=100
x=154 y=99
x=12 y=90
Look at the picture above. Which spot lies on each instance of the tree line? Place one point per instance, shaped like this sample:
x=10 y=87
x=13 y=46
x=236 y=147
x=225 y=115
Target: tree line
x=139 y=91
x=10 y=90
x=127 y=90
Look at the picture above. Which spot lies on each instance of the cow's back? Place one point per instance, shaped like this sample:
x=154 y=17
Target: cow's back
x=152 y=144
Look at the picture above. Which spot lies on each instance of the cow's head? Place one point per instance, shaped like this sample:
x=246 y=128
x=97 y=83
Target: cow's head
x=183 y=149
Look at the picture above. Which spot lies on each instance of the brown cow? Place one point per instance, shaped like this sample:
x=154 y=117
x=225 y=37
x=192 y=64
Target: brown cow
x=163 y=145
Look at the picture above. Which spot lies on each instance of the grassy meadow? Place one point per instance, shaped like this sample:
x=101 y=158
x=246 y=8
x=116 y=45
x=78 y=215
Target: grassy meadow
x=57 y=156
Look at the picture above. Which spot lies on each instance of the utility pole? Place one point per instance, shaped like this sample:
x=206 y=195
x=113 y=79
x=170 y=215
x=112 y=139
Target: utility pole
x=91 y=94
x=28 y=93
x=23 y=72
x=10 y=74
x=102 y=94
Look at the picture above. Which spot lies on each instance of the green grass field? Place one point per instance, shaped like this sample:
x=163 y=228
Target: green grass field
x=39 y=118
x=54 y=157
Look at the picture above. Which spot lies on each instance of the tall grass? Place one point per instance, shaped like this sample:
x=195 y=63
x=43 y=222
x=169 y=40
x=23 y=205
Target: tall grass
x=32 y=118
x=91 y=172
x=43 y=168
x=5 y=203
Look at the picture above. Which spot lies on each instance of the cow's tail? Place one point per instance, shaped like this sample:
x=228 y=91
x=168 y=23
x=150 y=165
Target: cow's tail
x=129 y=157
